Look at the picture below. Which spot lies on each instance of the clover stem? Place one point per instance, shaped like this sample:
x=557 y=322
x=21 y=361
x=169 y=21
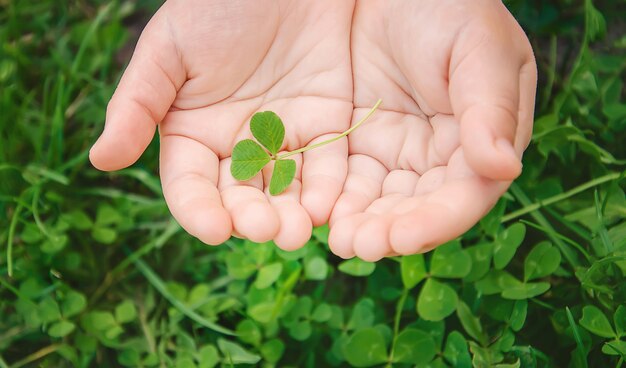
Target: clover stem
x=316 y=145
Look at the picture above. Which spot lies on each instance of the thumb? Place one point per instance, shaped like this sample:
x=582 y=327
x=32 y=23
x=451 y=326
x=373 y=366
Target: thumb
x=492 y=90
x=145 y=93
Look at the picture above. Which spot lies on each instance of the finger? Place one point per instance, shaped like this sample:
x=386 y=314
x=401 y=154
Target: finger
x=295 y=223
x=189 y=173
x=252 y=215
x=363 y=186
x=484 y=90
x=323 y=176
x=342 y=232
x=141 y=100
x=528 y=88
x=371 y=240
x=444 y=214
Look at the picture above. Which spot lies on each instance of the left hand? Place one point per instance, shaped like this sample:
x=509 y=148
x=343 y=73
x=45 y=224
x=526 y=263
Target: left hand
x=458 y=81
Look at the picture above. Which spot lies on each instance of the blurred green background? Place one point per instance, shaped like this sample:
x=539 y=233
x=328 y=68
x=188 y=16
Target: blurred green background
x=94 y=271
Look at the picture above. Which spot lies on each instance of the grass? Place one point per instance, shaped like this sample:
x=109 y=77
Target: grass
x=94 y=272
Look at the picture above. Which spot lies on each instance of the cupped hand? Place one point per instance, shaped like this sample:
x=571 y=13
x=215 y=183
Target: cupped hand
x=200 y=70
x=457 y=82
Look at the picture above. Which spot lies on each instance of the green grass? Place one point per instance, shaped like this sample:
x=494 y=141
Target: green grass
x=94 y=272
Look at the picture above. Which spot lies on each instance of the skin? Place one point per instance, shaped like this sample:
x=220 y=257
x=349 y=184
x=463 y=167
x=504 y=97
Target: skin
x=457 y=80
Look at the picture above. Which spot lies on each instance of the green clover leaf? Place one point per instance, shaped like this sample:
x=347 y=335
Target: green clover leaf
x=249 y=157
x=269 y=130
x=284 y=172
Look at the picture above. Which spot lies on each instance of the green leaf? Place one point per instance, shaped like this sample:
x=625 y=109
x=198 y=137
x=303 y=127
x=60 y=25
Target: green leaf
x=596 y=322
x=526 y=290
x=103 y=235
x=505 y=342
x=61 y=328
x=518 y=315
x=414 y=346
x=239 y=266
x=125 y=312
x=496 y=281
x=236 y=354
x=362 y=315
x=322 y=313
x=450 y=261
x=456 y=351
x=284 y=172
x=594 y=22
x=542 y=260
x=301 y=330
x=273 y=350
x=365 y=348
x=48 y=310
x=315 y=268
x=506 y=244
x=481 y=260
x=616 y=347
x=248 y=332
x=413 y=270
x=268 y=274
x=517 y=364
x=77 y=219
x=261 y=312
x=208 y=357
x=357 y=267
x=619 y=318
x=436 y=301
x=129 y=358
x=153 y=360
x=100 y=320
x=108 y=215
x=470 y=323
x=268 y=129
x=248 y=159
x=73 y=303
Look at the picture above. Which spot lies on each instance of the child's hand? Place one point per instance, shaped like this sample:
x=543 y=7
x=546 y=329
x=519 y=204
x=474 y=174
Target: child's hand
x=457 y=80
x=202 y=68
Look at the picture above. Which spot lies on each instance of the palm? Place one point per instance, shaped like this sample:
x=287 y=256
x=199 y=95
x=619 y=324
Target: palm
x=410 y=186
x=319 y=65
x=281 y=64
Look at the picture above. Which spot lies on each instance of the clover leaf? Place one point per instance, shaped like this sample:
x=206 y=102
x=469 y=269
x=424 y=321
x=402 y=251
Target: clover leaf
x=250 y=157
x=269 y=130
x=284 y=172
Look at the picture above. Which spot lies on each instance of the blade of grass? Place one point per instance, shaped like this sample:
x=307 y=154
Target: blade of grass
x=567 y=253
x=530 y=207
x=172 y=229
x=562 y=237
x=396 y=323
x=35 y=207
x=157 y=242
x=584 y=281
x=117 y=194
x=3 y=364
x=37 y=355
x=579 y=230
x=12 y=227
x=144 y=177
x=103 y=12
x=158 y=284
x=604 y=233
x=579 y=341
